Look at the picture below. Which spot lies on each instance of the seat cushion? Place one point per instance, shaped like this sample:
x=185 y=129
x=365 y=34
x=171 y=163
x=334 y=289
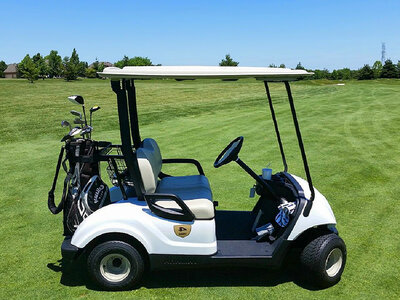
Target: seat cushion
x=150 y=163
x=194 y=190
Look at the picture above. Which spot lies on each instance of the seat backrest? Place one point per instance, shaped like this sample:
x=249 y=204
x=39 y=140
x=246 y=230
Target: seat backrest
x=150 y=163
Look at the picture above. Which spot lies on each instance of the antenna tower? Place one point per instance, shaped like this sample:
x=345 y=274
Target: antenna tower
x=383 y=57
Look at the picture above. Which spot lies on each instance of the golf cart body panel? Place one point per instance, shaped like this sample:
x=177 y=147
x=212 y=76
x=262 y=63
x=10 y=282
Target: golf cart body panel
x=320 y=214
x=156 y=234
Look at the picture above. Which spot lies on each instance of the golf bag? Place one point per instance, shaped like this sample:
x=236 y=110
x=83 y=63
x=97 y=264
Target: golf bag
x=84 y=192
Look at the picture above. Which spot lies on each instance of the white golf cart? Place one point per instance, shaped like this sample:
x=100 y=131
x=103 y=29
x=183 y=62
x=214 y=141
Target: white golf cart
x=160 y=221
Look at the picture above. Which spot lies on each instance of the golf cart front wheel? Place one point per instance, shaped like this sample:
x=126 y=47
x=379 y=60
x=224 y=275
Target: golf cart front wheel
x=115 y=265
x=324 y=259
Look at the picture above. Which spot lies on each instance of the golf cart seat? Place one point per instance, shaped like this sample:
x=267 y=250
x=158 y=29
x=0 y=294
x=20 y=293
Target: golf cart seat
x=194 y=190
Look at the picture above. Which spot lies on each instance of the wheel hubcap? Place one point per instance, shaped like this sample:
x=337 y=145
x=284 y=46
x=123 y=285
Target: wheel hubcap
x=334 y=262
x=115 y=267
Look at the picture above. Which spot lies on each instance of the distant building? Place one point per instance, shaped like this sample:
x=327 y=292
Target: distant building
x=11 y=71
x=106 y=64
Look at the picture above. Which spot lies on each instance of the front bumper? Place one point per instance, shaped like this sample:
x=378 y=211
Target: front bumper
x=68 y=251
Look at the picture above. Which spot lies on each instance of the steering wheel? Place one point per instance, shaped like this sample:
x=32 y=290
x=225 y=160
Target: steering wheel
x=230 y=152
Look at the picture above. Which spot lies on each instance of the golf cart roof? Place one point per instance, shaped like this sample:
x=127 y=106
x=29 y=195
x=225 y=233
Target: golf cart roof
x=197 y=72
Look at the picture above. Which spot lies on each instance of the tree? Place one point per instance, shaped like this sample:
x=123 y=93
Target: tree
x=28 y=69
x=54 y=63
x=389 y=70
x=82 y=66
x=79 y=66
x=96 y=65
x=123 y=62
x=40 y=63
x=272 y=66
x=398 y=67
x=377 y=68
x=70 y=69
x=282 y=66
x=3 y=67
x=334 y=75
x=365 y=73
x=101 y=67
x=321 y=74
x=74 y=59
x=91 y=73
x=134 y=61
x=299 y=66
x=228 y=61
x=344 y=74
x=139 y=61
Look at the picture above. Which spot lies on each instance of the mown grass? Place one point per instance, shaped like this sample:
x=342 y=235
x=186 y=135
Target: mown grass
x=351 y=138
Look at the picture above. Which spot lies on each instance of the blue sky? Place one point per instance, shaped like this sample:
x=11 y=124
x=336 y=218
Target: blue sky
x=331 y=34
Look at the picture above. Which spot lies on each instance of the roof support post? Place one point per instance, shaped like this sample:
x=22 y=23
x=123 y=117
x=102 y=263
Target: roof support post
x=126 y=145
x=301 y=146
x=130 y=87
x=278 y=136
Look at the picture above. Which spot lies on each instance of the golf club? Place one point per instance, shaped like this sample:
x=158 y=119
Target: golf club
x=77 y=99
x=75 y=131
x=65 y=123
x=76 y=113
x=87 y=130
x=79 y=122
x=92 y=110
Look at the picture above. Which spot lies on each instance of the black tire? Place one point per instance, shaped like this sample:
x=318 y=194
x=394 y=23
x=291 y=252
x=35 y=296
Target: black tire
x=319 y=269
x=115 y=265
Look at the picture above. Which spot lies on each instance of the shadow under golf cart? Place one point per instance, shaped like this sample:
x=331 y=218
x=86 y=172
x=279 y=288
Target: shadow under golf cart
x=75 y=274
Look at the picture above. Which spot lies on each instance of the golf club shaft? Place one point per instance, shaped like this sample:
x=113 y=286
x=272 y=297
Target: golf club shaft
x=90 y=136
x=84 y=113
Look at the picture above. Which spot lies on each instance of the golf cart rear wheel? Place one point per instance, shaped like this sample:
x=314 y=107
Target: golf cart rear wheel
x=323 y=260
x=115 y=265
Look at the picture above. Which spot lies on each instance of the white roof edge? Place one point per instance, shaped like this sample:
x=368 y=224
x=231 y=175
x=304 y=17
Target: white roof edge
x=197 y=72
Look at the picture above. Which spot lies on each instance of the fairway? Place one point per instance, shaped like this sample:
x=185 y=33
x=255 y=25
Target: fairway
x=351 y=138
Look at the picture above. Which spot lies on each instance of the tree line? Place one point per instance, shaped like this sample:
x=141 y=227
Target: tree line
x=387 y=70
x=70 y=68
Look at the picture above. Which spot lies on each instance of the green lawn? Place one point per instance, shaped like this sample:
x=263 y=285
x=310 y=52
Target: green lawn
x=351 y=138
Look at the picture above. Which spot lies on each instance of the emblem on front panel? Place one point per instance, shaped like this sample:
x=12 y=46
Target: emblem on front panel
x=182 y=230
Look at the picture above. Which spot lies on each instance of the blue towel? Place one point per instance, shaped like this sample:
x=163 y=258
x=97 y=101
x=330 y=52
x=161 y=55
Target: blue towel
x=285 y=210
x=282 y=218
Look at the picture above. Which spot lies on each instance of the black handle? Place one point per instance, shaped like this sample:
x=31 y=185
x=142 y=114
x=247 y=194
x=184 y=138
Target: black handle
x=186 y=161
x=184 y=215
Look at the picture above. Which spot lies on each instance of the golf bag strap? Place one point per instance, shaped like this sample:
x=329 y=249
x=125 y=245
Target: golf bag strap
x=50 y=201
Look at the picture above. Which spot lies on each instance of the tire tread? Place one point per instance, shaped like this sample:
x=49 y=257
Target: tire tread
x=313 y=258
x=101 y=250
